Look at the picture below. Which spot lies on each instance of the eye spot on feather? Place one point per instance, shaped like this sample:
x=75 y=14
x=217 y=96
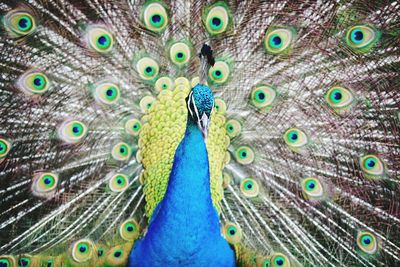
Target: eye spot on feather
x=72 y=131
x=118 y=253
x=6 y=261
x=278 y=40
x=220 y=106
x=118 y=256
x=217 y=18
x=233 y=128
x=180 y=53
x=118 y=182
x=5 y=147
x=367 y=242
x=279 y=260
x=262 y=96
x=164 y=83
x=219 y=73
x=129 y=230
x=155 y=17
x=99 y=39
x=339 y=98
x=82 y=250
x=249 y=187
x=19 y=23
x=312 y=188
x=121 y=151
x=244 y=155
x=147 y=68
x=362 y=38
x=146 y=103
x=44 y=184
x=232 y=233
x=100 y=252
x=33 y=83
x=23 y=261
x=106 y=93
x=372 y=166
x=295 y=139
x=133 y=126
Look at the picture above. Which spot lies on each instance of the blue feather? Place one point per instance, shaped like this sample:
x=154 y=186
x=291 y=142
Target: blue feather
x=185 y=230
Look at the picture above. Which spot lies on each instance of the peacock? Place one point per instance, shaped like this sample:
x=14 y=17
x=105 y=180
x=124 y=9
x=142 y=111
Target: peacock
x=199 y=133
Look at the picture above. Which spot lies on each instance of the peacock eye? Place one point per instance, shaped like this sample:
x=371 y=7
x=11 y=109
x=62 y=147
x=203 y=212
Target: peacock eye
x=361 y=38
x=249 y=187
x=72 y=131
x=278 y=40
x=33 y=83
x=118 y=182
x=7 y=261
x=100 y=39
x=45 y=184
x=179 y=53
x=4 y=148
x=146 y=103
x=24 y=261
x=147 y=68
x=129 y=230
x=220 y=105
x=164 y=83
x=372 y=166
x=244 y=155
x=155 y=17
x=312 y=188
x=279 y=260
x=121 y=151
x=262 y=96
x=106 y=93
x=19 y=23
x=295 y=138
x=118 y=253
x=266 y=263
x=219 y=73
x=133 y=126
x=366 y=241
x=82 y=250
x=232 y=233
x=100 y=252
x=233 y=128
x=217 y=18
x=339 y=97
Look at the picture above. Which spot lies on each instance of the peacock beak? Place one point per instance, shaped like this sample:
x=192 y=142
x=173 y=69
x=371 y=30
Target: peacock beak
x=203 y=123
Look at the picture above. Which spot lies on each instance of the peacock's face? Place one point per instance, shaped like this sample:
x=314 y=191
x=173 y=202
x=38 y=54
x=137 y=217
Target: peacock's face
x=200 y=102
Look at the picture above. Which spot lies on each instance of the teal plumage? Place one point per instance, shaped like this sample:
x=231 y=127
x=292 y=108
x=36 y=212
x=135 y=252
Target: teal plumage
x=302 y=141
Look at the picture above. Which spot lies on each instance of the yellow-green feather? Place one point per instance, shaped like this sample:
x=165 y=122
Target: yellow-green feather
x=163 y=129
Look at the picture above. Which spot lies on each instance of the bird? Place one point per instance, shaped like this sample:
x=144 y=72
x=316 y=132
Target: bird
x=199 y=133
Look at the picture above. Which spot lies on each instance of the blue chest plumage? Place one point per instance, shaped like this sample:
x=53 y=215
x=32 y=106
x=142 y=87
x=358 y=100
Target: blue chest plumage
x=185 y=229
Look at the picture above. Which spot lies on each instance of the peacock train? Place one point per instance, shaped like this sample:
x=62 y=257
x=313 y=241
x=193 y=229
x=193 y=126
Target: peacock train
x=199 y=133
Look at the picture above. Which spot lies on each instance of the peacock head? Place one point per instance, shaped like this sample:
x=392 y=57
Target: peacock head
x=200 y=103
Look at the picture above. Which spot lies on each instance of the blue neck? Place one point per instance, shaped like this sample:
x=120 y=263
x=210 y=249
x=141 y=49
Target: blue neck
x=187 y=205
x=184 y=229
x=190 y=179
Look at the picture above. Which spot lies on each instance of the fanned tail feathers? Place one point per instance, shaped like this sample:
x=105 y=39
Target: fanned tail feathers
x=303 y=144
